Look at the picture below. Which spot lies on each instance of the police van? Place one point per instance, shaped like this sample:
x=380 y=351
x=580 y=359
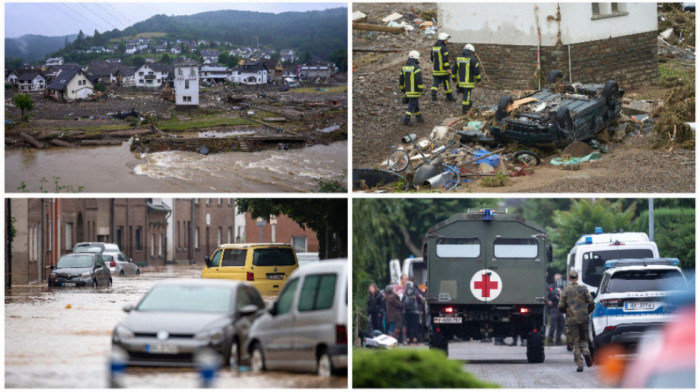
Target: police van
x=591 y=251
x=635 y=296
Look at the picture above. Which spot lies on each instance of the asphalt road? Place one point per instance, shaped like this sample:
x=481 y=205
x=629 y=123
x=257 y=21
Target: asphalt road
x=61 y=338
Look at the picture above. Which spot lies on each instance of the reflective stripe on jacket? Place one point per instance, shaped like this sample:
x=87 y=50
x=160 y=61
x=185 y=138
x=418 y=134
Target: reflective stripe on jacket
x=466 y=70
x=440 y=58
x=411 y=80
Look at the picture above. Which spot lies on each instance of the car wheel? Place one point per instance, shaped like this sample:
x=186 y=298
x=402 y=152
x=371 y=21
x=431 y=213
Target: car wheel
x=554 y=76
x=257 y=359
x=611 y=92
x=324 y=367
x=502 y=110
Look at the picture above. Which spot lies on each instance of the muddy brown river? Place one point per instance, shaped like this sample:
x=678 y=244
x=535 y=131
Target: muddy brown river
x=116 y=169
x=49 y=344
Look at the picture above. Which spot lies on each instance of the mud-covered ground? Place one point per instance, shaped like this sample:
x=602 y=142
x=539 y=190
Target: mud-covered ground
x=61 y=338
x=630 y=166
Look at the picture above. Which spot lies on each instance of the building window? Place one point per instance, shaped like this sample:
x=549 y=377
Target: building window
x=221 y=201
x=120 y=231
x=608 y=10
x=153 y=245
x=208 y=201
x=187 y=84
x=230 y=234
x=230 y=201
x=299 y=244
x=69 y=236
x=196 y=237
x=218 y=237
x=196 y=202
x=137 y=239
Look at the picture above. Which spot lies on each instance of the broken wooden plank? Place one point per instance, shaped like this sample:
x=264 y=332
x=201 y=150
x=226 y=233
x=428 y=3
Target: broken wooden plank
x=520 y=102
x=371 y=27
x=100 y=142
x=62 y=143
x=129 y=132
x=31 y=140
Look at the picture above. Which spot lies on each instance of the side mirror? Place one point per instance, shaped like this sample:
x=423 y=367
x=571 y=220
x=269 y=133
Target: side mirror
x=273 y=308
x=550 y=253
x=248 y=310
x=128 y=308
x=207 y=261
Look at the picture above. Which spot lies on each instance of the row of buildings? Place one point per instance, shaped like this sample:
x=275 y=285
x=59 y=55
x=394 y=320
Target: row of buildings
x=153 y=232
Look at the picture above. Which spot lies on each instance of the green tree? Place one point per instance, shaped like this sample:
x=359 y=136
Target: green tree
x=165 y=59
x=23 y=102
x=583 y=217
x=340 y=59
x=13 y=63
x=674 y=233
x=327 y=217
x=121 y=47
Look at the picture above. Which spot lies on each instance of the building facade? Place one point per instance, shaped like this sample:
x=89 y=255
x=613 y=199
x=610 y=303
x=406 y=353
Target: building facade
x=151 y=75
x=186 y=83
x=281 y=229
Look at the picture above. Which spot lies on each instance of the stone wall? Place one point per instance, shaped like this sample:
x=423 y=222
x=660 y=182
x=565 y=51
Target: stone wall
x=630 y=60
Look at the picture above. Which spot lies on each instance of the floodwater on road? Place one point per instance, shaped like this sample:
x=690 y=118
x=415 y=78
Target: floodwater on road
x=61 y=338
x=116 y=169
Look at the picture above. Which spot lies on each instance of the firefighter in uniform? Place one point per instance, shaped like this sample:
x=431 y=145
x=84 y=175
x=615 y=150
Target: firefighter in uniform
x=576 y=302
x=411 y=82
x=467 y=73
x=440 y=58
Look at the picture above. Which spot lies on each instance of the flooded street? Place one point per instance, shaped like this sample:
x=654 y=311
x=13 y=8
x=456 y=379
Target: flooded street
x=116 y=169
x=61 y=338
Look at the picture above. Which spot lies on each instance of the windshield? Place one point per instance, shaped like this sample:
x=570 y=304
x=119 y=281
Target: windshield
x=515 y=248
x=458 y=247
x=273 y=257
x=196 y=299
x=75 y=261
x=593 y=263
x=646 y=280
x=87 y=249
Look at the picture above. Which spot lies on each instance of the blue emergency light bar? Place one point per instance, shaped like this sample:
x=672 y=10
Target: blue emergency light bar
x=488 y=215
x=650 y=261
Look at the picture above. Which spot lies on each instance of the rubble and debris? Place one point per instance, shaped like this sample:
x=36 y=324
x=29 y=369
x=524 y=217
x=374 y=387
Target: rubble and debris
x=358 y=16
x=575 y=160
x=392 y=17
x=372 y=27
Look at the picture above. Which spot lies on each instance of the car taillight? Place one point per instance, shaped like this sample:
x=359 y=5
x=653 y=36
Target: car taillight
x=249 y=276
x=341 y=334
x=113 y=263
x=449 y=309
x=611 y=303
x=610 y=327
x=524 y=310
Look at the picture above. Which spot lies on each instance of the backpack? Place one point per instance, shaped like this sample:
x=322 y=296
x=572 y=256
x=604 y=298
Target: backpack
x=410 y=304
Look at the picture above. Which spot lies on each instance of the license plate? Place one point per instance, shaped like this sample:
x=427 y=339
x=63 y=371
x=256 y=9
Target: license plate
x=161 y=348
x=275 y=276
x=639 y=305
x=447 y=320
x=68 y=284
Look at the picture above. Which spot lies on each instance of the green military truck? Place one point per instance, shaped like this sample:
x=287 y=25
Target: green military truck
x=487 y=278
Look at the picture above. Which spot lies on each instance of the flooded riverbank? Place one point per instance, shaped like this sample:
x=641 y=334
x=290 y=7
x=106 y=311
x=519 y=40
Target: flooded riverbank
x=116 y=169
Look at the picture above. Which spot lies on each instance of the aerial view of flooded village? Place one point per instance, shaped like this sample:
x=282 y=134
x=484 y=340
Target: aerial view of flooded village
x=176 y=97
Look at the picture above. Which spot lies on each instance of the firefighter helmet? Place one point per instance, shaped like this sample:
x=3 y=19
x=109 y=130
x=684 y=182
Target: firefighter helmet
x=469 y=47
x=443 y=37
x=414 y=54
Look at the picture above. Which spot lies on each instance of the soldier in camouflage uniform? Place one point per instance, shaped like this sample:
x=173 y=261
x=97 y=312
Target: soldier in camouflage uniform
x=576 y=302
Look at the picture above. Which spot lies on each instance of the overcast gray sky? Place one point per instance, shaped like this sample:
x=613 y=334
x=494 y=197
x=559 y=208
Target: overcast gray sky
x=55 y=19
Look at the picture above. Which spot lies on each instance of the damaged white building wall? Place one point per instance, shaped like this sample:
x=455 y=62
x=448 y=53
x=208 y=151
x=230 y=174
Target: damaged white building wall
x=517 y=23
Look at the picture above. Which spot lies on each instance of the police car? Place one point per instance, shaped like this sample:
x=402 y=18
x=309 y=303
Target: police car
x=635 y=295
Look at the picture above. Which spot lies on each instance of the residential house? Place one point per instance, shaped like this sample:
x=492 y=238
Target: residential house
x=587 y=42
x=288 y=55
x=275 y=68
x=210 y=56
x=131 y=49
x=214 y=73
x=161 y=48
x=53 y=71
x=186 y=83
x=175 y=51
x=290 y=71
x=280 y=229
x=202 y=42
x=313 y=72
x=54 y=61
x=151 y=75
x=104 y=71
x=250 y=74
x=126 y=76
x=70 y=85
x=150 y=60
x=31 y=81
x=11 y=77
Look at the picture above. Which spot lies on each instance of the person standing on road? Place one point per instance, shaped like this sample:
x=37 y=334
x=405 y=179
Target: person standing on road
x=394 y=310
x=467 y=73
x=411 y=82
x=440 y=58
x=375 y=308
x=412 y=303
x=556 y=319
x=576 y=302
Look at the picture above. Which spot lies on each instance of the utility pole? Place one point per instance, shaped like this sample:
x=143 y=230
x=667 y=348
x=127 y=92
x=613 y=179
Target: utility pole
x=651 y=219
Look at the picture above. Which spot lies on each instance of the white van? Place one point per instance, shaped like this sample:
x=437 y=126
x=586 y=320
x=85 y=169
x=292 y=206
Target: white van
x=591 y=251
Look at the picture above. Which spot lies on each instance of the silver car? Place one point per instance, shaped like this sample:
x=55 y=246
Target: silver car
x=305 y=329
x=119 y=264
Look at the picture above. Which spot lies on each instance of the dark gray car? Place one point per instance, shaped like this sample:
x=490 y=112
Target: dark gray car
x=178 y=319
x=80 y=269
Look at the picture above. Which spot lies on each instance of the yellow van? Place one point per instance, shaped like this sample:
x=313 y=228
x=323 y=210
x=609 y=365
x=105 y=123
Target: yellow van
x=265 y=266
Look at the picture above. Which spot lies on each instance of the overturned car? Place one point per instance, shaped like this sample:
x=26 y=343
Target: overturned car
x=559 y=114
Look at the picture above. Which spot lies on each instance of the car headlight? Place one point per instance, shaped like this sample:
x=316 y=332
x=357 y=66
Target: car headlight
x=87 y=275
x=122 y=332
x=214 y=336
x=52 y=276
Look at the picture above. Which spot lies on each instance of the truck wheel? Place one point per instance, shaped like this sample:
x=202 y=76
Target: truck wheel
x=502 y=110
x=554 y=76
x=611 y=92
x=535 y=347
x=438 y=341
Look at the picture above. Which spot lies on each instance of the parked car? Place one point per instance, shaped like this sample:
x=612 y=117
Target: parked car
x=119 y=264
x=80 y=269
x=176 y=319
x=305 y=329
x=633 y=299
x=559 y=114
x=81 y=247
x=265 y=266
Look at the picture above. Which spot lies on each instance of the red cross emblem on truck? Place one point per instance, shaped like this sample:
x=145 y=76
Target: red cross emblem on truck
x=486 y=285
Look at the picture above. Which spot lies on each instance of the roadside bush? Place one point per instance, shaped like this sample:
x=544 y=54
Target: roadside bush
x=670 y=119
x=400 y=368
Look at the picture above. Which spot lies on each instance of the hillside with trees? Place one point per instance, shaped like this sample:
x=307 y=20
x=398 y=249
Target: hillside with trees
x=30 y=47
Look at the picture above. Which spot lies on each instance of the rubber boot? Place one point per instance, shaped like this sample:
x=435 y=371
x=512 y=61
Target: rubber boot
x=406 y=120
x=450 y=98
x=419 y=118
